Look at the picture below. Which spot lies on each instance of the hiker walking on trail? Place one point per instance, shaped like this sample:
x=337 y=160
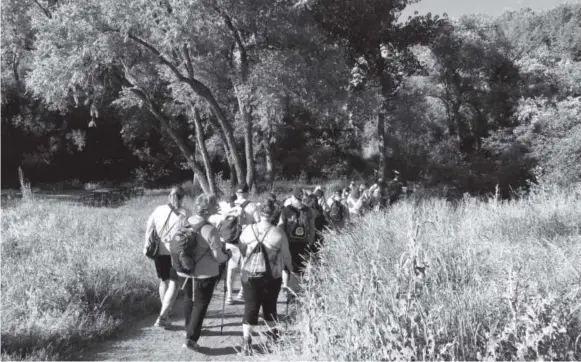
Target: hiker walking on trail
x=165 y=221
x=312 y=202
x=208 y=256
x=338 y=214
x=266 y=252
x=246 y=214
x=277 y=210
x=298 y=222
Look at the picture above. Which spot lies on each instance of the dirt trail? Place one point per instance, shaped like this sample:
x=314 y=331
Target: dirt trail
x=142 y=342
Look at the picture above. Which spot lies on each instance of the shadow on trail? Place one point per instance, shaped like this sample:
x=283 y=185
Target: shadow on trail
x=224 y=351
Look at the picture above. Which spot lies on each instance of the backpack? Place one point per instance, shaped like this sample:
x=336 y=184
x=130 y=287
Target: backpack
x=256 y=265
x=336 y=211
x=230 y=228
x=182 y=249
x=276 y=214
x=154 y=240
x=296 y=227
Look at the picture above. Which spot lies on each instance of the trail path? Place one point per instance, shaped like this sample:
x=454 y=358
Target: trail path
x=143 y=342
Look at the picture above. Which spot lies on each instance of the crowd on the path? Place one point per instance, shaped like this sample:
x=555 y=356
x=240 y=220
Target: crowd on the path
x=267 y=244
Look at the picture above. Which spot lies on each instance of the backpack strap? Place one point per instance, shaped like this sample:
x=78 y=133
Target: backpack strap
x=264 y=253
x=166 y=221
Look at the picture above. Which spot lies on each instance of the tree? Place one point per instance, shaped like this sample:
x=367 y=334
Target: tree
x=149 y=46
x=378 y=45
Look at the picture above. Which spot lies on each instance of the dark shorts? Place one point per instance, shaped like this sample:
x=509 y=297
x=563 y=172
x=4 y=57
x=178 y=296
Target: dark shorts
x=257 y=293
x=164 y=269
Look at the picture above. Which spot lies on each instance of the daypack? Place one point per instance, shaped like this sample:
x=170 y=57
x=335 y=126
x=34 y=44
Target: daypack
x=230 y=228
x=183 y=249
x=336 y=211
x=276 y=214
x=154 y=240
x=256 y=264
x=296 y=227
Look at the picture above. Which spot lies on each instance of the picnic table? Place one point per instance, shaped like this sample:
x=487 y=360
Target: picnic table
x=111 y=195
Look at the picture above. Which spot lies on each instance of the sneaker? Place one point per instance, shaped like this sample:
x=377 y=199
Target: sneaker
x=191 y=345
x=162 y=322
x=240 y=297
x=229 y=300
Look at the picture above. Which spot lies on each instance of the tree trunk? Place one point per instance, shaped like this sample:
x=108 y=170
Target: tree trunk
x=382 y=143
x=248 y=139
x=204 y=92
x=269 y=164
x=204 y=151
x=234 y=176
x=186 y=152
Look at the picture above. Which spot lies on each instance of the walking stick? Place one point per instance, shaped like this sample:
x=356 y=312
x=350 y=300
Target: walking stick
x=223 y=297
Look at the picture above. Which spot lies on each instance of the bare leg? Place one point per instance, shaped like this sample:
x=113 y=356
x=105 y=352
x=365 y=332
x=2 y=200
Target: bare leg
x=162 y=289
x=169 y=298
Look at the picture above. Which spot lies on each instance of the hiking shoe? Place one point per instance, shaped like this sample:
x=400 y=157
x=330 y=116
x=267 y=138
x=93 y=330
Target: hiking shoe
x=246 y=347
x=162 y=322
x=191 y=345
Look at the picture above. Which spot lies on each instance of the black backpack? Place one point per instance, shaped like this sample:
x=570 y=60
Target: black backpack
x=336 y=211
x=230 y=228
x=296 y=226
x=276 y=214
x=183 y=249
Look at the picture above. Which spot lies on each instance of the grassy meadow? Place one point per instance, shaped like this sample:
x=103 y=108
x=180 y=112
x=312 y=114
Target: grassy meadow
x=501 y=281
x=72 y=273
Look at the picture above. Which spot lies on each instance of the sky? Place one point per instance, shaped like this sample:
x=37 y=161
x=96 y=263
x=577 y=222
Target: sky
x=457 y=8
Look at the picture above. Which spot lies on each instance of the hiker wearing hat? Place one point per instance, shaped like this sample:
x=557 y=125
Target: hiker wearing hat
x=338 y=213
x=266 y=253
x=164 y=223
x=298 y=222
x=247 y=214
x=200 y=289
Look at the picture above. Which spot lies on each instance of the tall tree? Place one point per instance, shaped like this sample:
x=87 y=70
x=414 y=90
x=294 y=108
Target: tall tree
x=378 y=45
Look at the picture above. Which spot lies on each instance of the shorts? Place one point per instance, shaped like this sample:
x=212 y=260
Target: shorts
x=234 y=261
x=164 y=269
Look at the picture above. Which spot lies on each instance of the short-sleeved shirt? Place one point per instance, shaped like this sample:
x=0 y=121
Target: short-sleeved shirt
x=248 y=215
x=208 y=240
x=166 y=230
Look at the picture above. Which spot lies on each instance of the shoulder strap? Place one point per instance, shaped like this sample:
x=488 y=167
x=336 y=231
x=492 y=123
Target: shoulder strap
x=244 y=204
x=166 y=221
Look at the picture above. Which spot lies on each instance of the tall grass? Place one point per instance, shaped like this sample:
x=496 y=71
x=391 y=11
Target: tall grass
x=71 y=274
x=429 y=281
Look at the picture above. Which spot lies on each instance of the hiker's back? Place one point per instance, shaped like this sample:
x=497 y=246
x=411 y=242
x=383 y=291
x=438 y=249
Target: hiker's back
x=273 y=243
x=296 y=223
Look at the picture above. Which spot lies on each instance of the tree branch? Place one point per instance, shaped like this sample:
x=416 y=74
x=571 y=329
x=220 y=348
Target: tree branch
x=44 y=10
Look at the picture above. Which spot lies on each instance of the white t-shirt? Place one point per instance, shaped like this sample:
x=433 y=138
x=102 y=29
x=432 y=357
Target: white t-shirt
x=166 y=230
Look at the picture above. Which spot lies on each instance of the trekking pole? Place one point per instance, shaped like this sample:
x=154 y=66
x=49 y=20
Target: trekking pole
x=223 y=296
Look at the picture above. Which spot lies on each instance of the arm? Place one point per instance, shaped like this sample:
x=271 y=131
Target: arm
x=148 y=229
x=285 y=252
x=281 y=220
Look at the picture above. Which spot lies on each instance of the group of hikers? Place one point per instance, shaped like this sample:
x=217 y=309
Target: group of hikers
x=267 y=244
